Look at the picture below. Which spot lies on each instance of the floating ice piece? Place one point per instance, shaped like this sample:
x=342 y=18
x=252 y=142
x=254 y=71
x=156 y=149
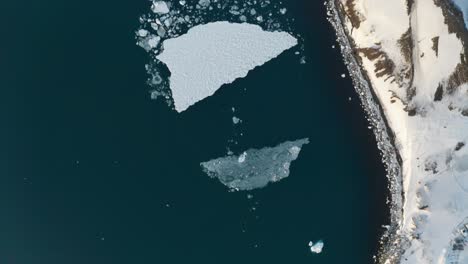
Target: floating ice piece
x=142 y=33
x=213 y=54
x=242 y=157
x=204 y=3
x=255 y=168
x=236 y=120
x=149 y=42
x=317 y=247
x=160 y=7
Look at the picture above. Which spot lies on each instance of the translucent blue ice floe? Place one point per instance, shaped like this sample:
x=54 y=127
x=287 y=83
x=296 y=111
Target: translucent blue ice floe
x=255 y=168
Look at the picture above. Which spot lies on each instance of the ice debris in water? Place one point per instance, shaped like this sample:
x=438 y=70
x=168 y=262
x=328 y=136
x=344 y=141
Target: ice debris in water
x=255 y=168
x=236 y=120
x=160 y=7
x=170 y=19
x=317 y=247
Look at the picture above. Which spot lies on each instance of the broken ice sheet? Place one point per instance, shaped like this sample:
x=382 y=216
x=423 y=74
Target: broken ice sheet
x=255 y=168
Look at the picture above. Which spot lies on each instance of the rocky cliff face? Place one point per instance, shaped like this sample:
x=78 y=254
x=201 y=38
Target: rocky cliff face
x=412 y=56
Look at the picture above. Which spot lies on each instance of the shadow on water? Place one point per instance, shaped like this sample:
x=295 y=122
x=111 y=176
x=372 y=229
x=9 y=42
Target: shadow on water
x=93 y=171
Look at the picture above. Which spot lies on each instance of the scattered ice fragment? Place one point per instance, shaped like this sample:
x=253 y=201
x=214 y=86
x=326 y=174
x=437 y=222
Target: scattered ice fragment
x=283 y=11
x=182 y=2
x=249 y=196
x=303 y=60
x=343 y=75
x=160 y=7
x=167 y=22
x=242 y=157
x=317 y=247
x=142 y=33
x=153 y=41
x=204 y=3
x=236 y=120
x=255 y=168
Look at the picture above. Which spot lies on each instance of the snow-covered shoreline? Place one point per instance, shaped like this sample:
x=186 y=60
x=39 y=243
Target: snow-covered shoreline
x=383 y=134
x=408 y=64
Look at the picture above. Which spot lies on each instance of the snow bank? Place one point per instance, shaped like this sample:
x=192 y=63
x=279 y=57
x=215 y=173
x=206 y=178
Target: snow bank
x=218 y=53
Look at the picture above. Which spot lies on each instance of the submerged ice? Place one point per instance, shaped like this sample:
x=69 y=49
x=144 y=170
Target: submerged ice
x=255 y=168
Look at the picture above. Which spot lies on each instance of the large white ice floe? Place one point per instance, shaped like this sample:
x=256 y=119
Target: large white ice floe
x=210 y=55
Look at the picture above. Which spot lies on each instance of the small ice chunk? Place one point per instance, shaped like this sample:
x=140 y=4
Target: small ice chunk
x=283 y=11
x=343 y=75
x=149 y=42
x=153 y=41
x=182 y=2
x=160 y=7
x=142 y=33
x=242 y=157
x=317 y=247
x=168 y=22
x=204 y=3
x=236 y=120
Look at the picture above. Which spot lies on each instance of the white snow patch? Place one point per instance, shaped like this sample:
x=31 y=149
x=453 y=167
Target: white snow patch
x=218 y=53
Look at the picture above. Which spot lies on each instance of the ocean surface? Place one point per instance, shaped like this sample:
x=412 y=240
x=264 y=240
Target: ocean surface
x=93 y=171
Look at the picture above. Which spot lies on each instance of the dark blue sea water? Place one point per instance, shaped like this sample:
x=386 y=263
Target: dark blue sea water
x=93 y=171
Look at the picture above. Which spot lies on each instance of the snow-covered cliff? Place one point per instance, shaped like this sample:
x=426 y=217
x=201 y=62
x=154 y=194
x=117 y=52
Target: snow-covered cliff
x=412 y=56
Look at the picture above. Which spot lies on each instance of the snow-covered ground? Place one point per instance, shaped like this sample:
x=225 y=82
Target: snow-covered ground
x=416 y=66
x=210 y=55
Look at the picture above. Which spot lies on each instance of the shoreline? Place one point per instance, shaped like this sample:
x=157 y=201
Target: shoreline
x=391 y=243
